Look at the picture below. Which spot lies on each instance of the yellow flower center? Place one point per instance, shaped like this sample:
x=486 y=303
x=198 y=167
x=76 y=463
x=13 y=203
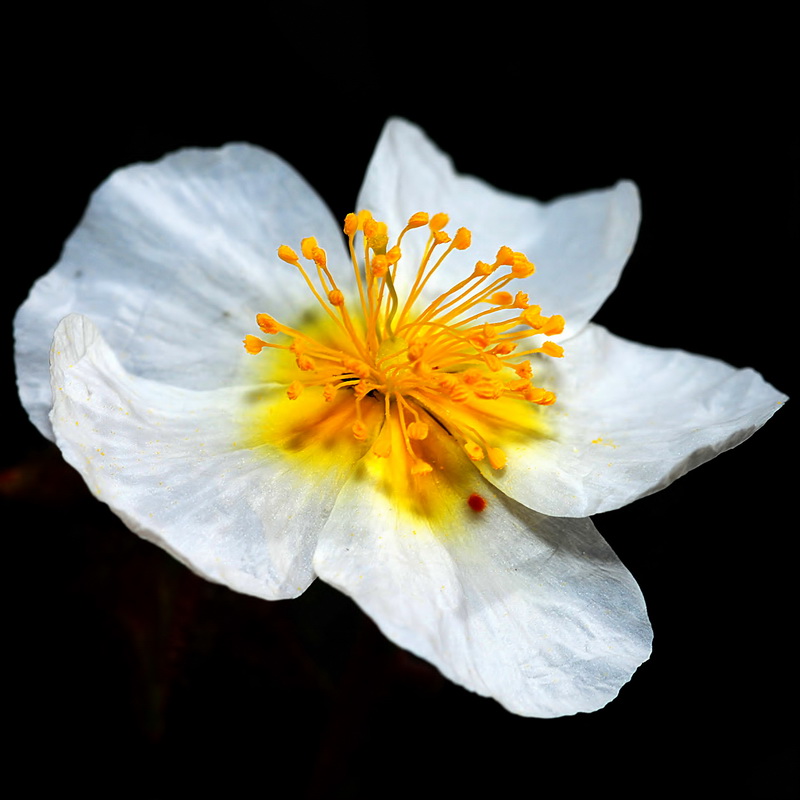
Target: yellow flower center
x=393 y=367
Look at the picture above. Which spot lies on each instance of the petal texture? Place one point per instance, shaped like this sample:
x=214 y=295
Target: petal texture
x=169 y=252
x=629 y=420
x=579 y=243
x=536 y=612
x=166 y=460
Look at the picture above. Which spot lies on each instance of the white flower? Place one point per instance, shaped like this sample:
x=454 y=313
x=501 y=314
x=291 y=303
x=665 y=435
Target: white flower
x=482 y=560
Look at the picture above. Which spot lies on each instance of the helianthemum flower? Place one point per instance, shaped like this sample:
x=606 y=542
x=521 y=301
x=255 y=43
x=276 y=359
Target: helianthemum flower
x=418 y=416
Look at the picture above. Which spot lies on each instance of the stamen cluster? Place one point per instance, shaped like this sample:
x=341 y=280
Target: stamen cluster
x=437 y=363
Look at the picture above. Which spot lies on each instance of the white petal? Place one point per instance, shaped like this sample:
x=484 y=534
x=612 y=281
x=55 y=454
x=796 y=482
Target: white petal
x=579 y=243
x=536 y=612
x=167 y=461
x=629 y=420
x=168 y=252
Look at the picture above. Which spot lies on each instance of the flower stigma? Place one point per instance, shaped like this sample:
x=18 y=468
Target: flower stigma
x=415 y=385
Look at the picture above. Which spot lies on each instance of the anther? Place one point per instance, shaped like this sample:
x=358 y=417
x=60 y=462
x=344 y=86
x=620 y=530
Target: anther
x=462 y=239
x=295 y=390
x=266 y=323
x=285 y=253
x=438 y=221
x=253 y=344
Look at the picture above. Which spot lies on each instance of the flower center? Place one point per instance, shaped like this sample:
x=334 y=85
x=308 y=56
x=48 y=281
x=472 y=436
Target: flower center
x=455 y=361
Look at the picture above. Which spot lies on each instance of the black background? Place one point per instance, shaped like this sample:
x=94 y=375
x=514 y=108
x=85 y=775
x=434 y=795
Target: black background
x=131 y=673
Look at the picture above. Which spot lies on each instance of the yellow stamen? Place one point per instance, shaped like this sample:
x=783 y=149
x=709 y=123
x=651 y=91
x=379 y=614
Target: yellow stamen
x=453 y=366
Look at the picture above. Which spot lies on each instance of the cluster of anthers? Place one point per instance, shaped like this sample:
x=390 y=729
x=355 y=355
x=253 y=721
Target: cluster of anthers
x=445 y=355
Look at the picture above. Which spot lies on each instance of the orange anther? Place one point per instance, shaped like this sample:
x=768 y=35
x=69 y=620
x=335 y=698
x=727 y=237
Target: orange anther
x=462 y=239
x=350 y=224
x=474 y=451
x=497 y=458
x=307 y=246
x=505 y=257
x=552 y=349
x=253 y=344
x=417 y=430
x=305 y=363
x=500 y=299
x=285 y=253
x=418 y=220
x=266 y=323
x=438 y=221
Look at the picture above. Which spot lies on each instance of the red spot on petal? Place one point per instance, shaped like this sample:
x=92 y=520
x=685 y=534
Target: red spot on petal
x=476 y=502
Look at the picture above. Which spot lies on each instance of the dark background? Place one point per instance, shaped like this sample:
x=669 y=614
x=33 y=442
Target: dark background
x=126 y=664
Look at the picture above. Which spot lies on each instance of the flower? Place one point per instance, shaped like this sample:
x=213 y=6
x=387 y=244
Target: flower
x=440 y=469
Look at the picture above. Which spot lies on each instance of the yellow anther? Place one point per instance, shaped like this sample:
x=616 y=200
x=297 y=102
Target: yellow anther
x=474 y=451
x=497 y=458
x=285 y=253
x=441 y=237
x=295 y=390
x=482 y=268
x=552 y=349
x=350 y=224
x=504 y=348
x=462 y=239
x=328 y=392
x=307 y=246
x=359 y=430
x=394 y=255
x=421 y=467
x=500 y=299
x=363 y=216
x=438 y=221
x=253 y=344
x=418 y=220
x=335 y=297
x=417 y=430
x=266 y=323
